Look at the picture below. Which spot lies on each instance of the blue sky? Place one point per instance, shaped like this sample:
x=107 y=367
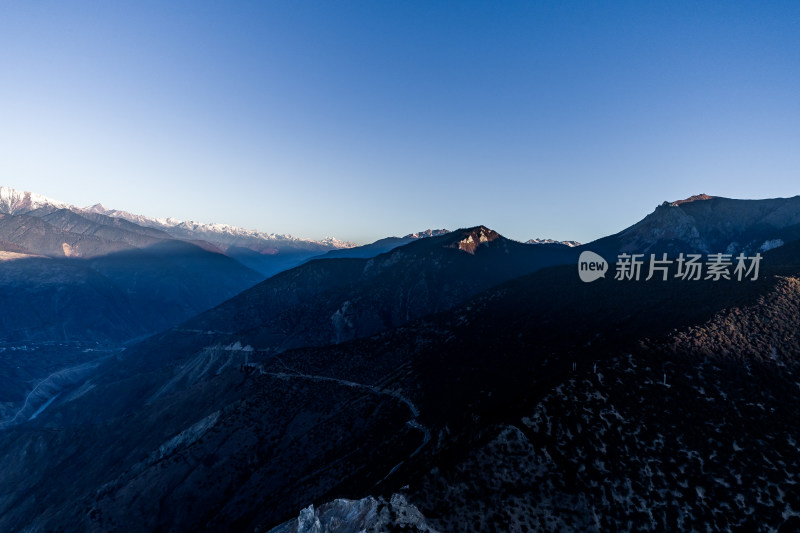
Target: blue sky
x=568 y=120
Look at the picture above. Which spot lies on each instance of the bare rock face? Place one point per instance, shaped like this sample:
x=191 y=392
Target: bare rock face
x=709 y=224
x=665 y=224
x=474 y=238
x=368 y=515
x=701 y=196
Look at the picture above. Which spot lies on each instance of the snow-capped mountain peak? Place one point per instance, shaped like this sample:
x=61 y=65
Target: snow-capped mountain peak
x=213 y=232
x=14 y=202
x=571 y=244
x=267 y=253
x=426 y=233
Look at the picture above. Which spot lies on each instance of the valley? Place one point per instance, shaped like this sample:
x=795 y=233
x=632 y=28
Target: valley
x=458 y=382
x=399 y=267
x=33 y=375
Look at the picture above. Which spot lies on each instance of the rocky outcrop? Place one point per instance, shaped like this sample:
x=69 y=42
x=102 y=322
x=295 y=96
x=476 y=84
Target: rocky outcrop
x=368 y=515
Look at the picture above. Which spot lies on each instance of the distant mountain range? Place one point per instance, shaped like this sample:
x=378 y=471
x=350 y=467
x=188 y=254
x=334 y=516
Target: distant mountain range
x=266 y=253
x=571 y=244
x=457 y=382
x=70 y=274
x=107 y=275
x=382 y=245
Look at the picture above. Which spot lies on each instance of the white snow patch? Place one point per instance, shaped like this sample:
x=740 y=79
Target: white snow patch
x=769 y=245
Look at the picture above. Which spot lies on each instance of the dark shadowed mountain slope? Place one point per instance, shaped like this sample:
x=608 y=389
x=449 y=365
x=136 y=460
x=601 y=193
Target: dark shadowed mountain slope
x=76 y=277
x=331 y=301
x=334 y=300
x=527 y=407
x=457 y=407
x=51 y=299
x=521 y=440
x=114 y=297
x=694 y=430
x=705 y=224
x=70 y=274
x=322 y=302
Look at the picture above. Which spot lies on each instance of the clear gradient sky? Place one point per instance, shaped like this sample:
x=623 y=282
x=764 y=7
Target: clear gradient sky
x=567 y=120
